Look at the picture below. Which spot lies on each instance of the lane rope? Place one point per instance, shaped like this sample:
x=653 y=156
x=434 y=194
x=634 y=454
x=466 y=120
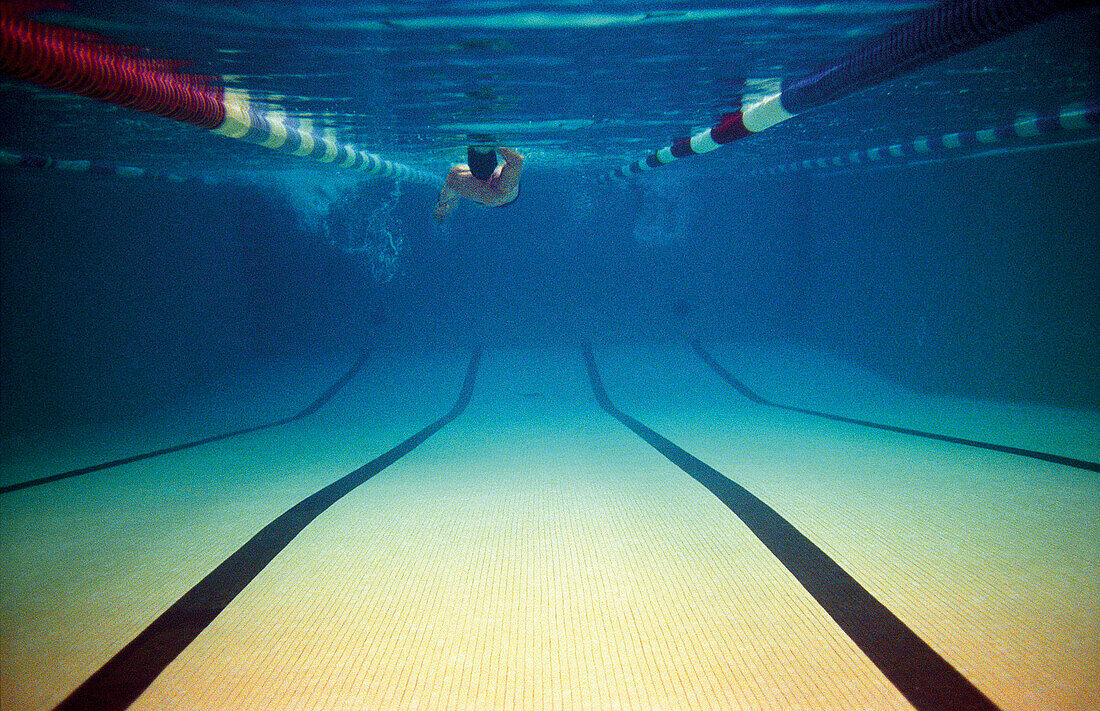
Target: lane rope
x=80 y=63
x=950 y=28
x=313 y=407
x=1071 y=117
x=925 y=678
x=744 y=390
x=11 y=159
x=119 y=682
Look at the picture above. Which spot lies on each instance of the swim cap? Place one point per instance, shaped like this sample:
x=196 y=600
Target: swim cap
x=482 y=160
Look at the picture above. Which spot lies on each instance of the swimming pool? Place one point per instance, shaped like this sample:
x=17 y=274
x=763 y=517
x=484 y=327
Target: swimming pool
x=807 y=422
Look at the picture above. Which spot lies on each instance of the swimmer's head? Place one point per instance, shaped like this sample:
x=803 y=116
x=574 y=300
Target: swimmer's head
x=482 y=161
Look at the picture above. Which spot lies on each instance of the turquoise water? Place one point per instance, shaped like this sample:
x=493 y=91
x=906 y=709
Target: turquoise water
x=534 y=552
x=971 y=271
x=578 y=84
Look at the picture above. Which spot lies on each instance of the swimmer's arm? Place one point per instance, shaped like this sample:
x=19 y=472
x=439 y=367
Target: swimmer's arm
x=508 y=182
x=513 y=164
x=448 y=198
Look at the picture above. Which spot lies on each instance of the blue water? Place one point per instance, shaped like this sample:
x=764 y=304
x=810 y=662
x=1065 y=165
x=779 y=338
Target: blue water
x=578 y=83
x=973 y=274
x=162 y=340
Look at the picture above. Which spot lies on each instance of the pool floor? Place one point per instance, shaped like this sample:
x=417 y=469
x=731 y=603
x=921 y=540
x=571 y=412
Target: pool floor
x=535 y=553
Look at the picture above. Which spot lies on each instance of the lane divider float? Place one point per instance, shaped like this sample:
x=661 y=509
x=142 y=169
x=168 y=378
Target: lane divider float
x=1072 y=117
x=950 y=28
x=11 y=159
x=79 y=63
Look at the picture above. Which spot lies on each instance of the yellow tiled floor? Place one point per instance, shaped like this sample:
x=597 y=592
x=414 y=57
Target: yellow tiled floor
x=534 y=554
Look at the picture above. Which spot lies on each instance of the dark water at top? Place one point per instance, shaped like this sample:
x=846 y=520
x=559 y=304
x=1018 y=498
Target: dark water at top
x=975 y=275
x=579 y=83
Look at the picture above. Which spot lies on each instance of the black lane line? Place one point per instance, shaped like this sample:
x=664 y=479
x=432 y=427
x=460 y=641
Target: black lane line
x=309 y=410
x=120 y=681
x=928 y=681
x=741 y=388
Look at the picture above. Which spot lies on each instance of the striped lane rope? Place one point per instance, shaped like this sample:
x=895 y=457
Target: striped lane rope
x=1072 y=117
x=94 y=167
x=79 y=63
x=943 y=31
x=285 y=134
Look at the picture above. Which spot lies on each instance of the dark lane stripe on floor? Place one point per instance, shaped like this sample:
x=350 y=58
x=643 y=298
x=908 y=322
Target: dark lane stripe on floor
x=928 y=681
x=120 y=681
x=741 y=388
x=312 y=408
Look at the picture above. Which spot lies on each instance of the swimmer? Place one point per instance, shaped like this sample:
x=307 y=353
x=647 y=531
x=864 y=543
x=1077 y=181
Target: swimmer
x=482 y=180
